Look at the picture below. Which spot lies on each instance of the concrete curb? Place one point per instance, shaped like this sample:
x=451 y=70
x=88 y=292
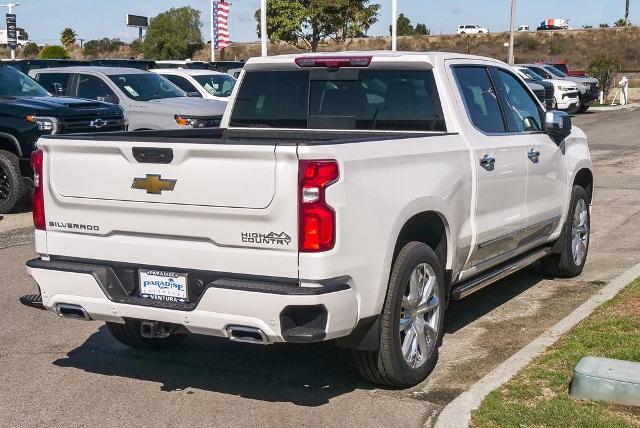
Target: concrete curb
x=16 y=236
x=458 y=413
x=615 y=108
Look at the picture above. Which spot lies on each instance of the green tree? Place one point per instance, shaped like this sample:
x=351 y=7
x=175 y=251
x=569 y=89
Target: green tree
x=31 y=50
x=603 y=69
x=422 y=30
x=105 y=46
x=54 y=52
x=307 y=23
x=174 y=34
x=622 y=23
x=68 y=37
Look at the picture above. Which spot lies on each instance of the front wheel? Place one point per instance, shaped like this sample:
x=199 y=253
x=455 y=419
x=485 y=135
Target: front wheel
x=13 y=190
x=412 y=320
x=583 y=108
x=574 y=240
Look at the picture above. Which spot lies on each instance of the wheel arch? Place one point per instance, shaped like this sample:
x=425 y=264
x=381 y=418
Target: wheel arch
x=430 y=228
x=584 y=179
x=10 y=143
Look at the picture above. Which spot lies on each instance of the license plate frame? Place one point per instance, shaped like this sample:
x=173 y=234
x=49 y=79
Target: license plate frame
x=164 y=286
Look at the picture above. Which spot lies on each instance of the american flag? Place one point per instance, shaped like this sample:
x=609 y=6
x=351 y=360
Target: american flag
x=221 y=11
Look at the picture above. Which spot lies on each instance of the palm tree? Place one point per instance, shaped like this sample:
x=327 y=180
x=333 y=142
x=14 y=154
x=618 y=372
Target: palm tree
x=68 y=37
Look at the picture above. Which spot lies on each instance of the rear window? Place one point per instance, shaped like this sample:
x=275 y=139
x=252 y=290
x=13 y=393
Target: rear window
x=399 y=100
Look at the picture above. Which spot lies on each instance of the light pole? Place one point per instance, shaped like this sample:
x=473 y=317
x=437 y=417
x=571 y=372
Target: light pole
x=10 y=6
x=394 y=25
x=264 y=37
x=512 y=32
x=626 y=15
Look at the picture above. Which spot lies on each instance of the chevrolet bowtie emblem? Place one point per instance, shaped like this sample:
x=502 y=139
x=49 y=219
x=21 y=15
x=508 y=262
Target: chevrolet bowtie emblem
x=153 y=184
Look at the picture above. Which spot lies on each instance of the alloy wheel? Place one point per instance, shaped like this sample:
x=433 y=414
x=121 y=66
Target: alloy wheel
x=420 y=316
x=580 y=232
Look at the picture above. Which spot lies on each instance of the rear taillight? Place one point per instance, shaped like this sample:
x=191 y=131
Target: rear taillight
x=317 y=220
x=39 y=220
x=333 y=62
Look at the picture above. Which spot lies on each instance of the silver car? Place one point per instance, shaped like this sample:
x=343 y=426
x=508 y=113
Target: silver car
x=149 y=100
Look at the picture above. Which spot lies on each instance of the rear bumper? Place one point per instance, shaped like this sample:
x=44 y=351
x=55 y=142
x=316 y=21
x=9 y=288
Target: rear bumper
x=266 y=304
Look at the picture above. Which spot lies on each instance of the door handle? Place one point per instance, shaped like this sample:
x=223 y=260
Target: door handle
x=534 y=156
x=488 y=163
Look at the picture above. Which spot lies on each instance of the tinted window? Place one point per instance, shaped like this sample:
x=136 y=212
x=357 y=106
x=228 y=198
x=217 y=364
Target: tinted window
x=347 y=99
x=146 y=86
x=16 y=84
x=522 y=111
x=555 y=71
x=93 y=88
x=218 y=85
x=480 y=98
x=272 y=99
x=50 y=80
x=541 y=72
x=182 y=83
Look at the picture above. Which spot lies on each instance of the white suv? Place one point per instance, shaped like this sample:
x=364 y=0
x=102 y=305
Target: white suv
x=472 y=29
x=210 y=85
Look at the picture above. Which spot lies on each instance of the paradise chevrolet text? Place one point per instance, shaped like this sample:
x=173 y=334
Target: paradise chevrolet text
x=346 y=197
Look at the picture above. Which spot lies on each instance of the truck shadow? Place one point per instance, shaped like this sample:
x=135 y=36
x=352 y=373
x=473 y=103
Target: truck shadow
x=463 y=312
x=305 y=375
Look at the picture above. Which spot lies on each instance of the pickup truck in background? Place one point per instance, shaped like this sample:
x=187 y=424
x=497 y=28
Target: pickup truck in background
x=562 y=66
x=27 y=112
x=150 y=101
x=347 y=197
x=560 y=94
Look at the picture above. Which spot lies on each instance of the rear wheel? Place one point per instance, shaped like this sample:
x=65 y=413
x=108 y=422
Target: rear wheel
x=411 y=324
x=13 y=190
x=574 y=241
x=130 y=334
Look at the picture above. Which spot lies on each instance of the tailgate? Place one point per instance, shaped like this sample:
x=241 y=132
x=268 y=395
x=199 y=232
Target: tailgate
x=215 y=207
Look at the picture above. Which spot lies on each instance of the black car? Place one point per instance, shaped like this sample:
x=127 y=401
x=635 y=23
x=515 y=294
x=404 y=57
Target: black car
x=141 y=64
x=28 y=111
x=26 y=65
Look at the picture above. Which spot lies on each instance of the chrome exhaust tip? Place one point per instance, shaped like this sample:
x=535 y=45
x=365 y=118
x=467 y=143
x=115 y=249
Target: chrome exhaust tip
x=243 y=334
x=75 y=312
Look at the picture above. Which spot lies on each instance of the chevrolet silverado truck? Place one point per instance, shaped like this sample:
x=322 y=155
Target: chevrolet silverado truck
x=28 y=111
x=347 y=197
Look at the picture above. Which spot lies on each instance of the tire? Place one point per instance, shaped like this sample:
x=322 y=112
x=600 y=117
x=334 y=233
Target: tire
x=388 y=366
x=583 y=108
x=129 y=334
x=13 y=190
x=576 y=232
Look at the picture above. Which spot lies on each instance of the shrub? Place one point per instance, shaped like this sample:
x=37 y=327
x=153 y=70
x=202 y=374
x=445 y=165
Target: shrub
x=603 y=69
x=31 y=50
x=526 y=43
x=54 y=52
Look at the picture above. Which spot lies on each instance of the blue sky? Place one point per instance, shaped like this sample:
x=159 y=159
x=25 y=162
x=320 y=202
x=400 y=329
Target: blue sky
x=45 y=19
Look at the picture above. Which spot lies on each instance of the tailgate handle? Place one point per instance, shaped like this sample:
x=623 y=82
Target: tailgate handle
x=153 y=155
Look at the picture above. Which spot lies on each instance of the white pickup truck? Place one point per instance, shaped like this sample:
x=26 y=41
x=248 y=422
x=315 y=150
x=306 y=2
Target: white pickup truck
x=346 y=197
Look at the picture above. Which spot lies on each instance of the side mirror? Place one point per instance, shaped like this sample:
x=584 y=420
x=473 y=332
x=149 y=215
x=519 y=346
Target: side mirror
x=558 y=125
x=58 y=90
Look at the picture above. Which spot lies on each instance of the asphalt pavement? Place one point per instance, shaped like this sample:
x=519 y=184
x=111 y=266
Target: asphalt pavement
x=70 y=373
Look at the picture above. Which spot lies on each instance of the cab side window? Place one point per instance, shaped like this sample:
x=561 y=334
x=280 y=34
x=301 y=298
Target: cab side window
x=182 y=83
x=480 y=98
x=55 y=83
x=522 y=111
x=93 y=88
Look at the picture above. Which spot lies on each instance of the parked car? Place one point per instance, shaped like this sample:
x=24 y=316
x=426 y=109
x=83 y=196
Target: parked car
x=562 y=66
x=150 y=100
x=28 y=111
x=472 y=29
x=26 y=65
x=225 y=66
x=142 y=64
x=210 y=85
x=560 y=94
x=347 y=197
x=523 y=28
x=192 y=65
x=587 y=86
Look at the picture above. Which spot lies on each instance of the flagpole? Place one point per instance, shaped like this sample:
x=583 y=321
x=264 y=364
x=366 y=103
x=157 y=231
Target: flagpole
x=213 y=44
x=394 y=25
x=263 y=27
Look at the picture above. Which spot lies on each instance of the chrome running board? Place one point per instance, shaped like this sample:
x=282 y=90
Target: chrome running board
x=472 y=285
